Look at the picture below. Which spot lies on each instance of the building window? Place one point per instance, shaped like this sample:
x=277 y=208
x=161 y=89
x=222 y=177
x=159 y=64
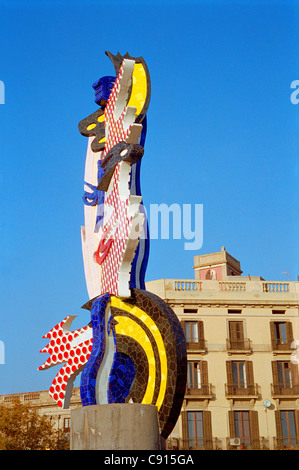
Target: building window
x=195 y=430
x=234 y=311
x=191 y=331
x=239 y=374
x=289 y=436
x=211 y=274
x=284 y=374
x=240 y=378
x=194 y=375
x=285 y=378
x=236 y=340
x=242 y=427
x=236 y=331
x=194 y=334
x=278 y=312
x=197 y=379
x=281 y=335
x=190 y=310
x=67 y=424
x=287 y=426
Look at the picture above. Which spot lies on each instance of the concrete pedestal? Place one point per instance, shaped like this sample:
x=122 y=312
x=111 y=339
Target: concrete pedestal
x=128 y=426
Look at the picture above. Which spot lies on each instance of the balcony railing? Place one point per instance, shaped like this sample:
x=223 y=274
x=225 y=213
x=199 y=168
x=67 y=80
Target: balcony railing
x=199 y=345
x=216 y=443
x=204 y=391
x=241 y=390
x=278 y=345
x=231 y=286
x=247 y=444
x=194 y=444
x=280 y=390
x=228 y=286
x=276 y=287
x=243 y=345
x=287 y=443
x=187 y=286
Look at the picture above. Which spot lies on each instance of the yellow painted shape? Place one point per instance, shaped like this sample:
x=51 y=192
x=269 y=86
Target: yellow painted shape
x=91 y=126
x=128 y=327
x=147 y=320
x=101 y=118
x=139 y=89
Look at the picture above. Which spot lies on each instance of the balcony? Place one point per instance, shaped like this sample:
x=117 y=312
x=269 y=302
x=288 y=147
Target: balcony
x=284 y=391
x=247 y=444
x=196 y=346
x=226 y=289
x=192 y=285
x=216 y=443
x=241 y=391
x=232 y=286
x=187 y=286
x=202 y=392
x=242 y=346
x=193 y=444
x=276 y=287
x=289 y=443
x=282 y=347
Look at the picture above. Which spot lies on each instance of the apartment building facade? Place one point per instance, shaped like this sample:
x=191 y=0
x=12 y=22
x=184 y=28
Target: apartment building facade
x=243 y=382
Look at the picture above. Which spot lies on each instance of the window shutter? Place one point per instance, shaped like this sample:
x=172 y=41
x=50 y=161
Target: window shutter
x=294 y=375
x=278 y=425
x=184 y=416
x=272 y=332
x=254 y=429
x=231 y=423
x=239 y=331
x=232 y=330
x=207 y=430
x=275 y=376
x=204 y=370
x=275 y=372
x=200 y=330
x=289 y=330
x=236 y=331
x=229 y=372
x=249 y=372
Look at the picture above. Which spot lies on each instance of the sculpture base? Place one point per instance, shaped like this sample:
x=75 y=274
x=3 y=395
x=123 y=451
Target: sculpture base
x=119 y=426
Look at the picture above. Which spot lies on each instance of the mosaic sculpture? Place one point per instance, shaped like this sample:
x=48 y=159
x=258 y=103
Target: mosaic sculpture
x=134 y=349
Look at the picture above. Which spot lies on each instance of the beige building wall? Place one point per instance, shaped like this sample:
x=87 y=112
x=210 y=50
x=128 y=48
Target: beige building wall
x=256 y=304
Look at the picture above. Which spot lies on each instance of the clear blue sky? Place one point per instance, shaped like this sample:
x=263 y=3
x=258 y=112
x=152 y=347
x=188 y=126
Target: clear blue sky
x=221 y=132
